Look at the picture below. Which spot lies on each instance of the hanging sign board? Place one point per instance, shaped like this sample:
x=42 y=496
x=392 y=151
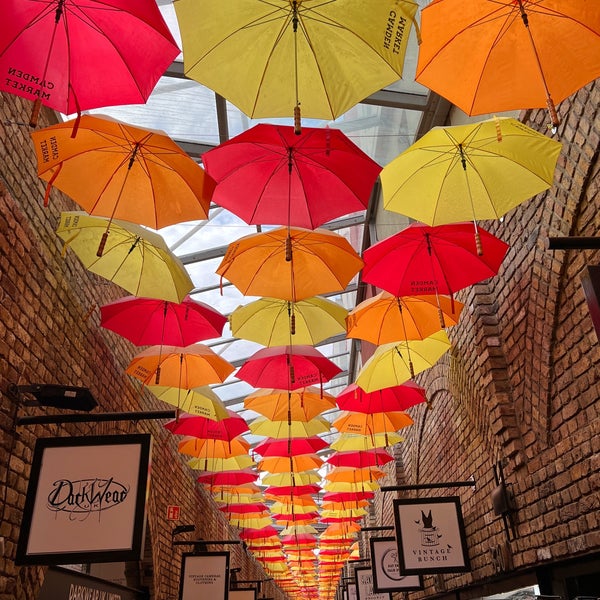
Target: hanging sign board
x=204 y=575
x=243 y=594
x=85 y=500
x=351 y=590
x=387 y=576
x=430 y=535
x=364 y=586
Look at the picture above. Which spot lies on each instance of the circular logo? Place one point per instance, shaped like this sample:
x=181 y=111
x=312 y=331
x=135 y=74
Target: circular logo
x=389 y=564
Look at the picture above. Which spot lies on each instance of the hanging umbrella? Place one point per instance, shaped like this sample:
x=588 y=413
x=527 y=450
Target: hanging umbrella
x=296 y=479
x=351 y=441
x=233 y=463
x=287 y=367
x=237 y=477
x=396 y=363
x=287 y=490
x=249 y=534
x=225 y=429
x=347 y=496
x=298 y=503
x=522 y=54
x=180 y=367
x=281 y=430
x=385 y=318
x=293 y=447
x=270 y=59
x=269 y=175
x=133 y=257
x=295 y=464
x=432 y=260
x=366 y=424
x=115 y=170
x=211 y=448
x=470 y=172
x=251 y=523
x=302 y=404
x=358 y=459
x=346 y=486
x=277 y=322
x=75 y=55
x=399 y=397
x=201 y=401
x=148 y=321
x=243 y=508
x=290 y=263
x=352 y=475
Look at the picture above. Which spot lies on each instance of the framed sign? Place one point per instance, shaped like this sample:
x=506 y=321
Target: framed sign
x=364 y=585
x=242 y=594
x=204 y=575
x=351 y=591
x=387 y=576
x=86 y=500
x=430 y=536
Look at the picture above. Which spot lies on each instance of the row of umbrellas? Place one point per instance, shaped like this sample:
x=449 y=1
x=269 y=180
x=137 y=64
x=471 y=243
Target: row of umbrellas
x=297 y=178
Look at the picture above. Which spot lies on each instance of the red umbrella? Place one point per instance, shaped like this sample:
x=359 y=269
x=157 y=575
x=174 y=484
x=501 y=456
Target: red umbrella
x=244 y=508
x=258 y=169
x=253 y=534
x=347 y=496
x=432 y=260
x=396 y=398
x=296 y=490
x=360 y=458
x=149 y=321
x=201 y=427
x=287 y=368
x=74 y=56
x=294 y=447
x=238 y=477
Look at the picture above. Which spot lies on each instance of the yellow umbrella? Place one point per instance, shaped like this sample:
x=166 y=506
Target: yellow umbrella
x=277 y=322
x=295 y=479
x=133 y=257
x=284 y=429
x=469 y=172
x=297 y=530
x=385 y=318
x=346 y=486
x=251 y=523
x=282 y=507
x=290 y=464
x=368 y=423
x=302 y=404
x=271 y=58
x=395 y=363
x=198 y=401
x=350 y=441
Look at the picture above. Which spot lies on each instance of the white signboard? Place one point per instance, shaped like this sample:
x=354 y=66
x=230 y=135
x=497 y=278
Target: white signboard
x=204 y=575
x=364 y=586
x=387 y=576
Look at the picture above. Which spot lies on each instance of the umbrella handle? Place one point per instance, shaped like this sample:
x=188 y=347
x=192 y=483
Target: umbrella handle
x=35 y=113
x=553 y=114
x=441 y=317
x=102 y=244
x=478 y=243
x=297 y=120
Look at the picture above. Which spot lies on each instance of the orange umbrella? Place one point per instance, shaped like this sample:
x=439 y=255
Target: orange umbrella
x=302 y=404
x=209 y=448
x=185 y=367
x=290 y=263
x=522 y=53
x=292 y=464
x=366 y=424
x=112 y=169
x=385 y=318
x=351 y=475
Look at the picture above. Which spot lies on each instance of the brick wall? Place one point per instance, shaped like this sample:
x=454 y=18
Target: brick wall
x=50 y=333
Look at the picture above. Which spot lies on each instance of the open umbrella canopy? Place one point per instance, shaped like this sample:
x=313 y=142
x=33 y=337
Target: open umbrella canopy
x=243 y=508
x=270 y=175
x=359 y=459
x=236 y=477
x=385 y=318
x=293 y=447
x=211 y=448
x=290 y=263
x=526 y=54
x=354 y=441
x=149 y=321
x=302 y=404
x=277 y=322
x=131 y=256
x=277 y=491
x=352 y=475
x=181 y=367
x=398 y=397
x=65 y=54
x=470 y=172
x=281 y=479
x=287 y=368
x=200 y=427
x=112 y=169
x=233 y=463
x=396 y=363
x=298 y=503
x=269 y=58
x=351 y=486
x=368 y=423
x=283 y=430
x=432 y=260
x=200 y=401
x=291 y=464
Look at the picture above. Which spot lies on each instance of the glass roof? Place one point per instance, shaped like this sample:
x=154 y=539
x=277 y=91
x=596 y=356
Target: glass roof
x=383 y=126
